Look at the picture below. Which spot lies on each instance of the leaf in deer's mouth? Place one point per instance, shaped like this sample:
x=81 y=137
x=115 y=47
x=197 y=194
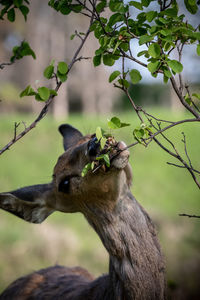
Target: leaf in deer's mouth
x=107 y=151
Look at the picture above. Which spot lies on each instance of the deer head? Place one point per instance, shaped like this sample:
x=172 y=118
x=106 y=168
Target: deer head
x=70 y=192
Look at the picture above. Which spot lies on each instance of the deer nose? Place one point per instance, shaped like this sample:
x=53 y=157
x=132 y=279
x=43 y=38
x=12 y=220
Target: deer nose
x=93 y=147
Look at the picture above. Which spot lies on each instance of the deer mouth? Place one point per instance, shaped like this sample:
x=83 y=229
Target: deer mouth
x=116 y=153
x=120 y=157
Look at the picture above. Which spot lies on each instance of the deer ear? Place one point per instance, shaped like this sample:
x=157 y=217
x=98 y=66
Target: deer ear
x=70 y=135
x=28 y=203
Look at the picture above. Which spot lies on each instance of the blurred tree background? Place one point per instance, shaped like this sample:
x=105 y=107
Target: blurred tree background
x=86 y=101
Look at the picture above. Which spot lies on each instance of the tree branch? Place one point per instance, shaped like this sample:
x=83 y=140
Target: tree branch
x=44 y=110
x=189 y=216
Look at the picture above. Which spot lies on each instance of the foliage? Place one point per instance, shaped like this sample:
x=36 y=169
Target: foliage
x=10 y=6
x=160 y=32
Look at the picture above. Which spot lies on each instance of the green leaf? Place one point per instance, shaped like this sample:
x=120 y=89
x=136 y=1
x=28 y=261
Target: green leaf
x=53 y=92
x=96 y=60
x=76 y=8
x=191 y=6
x=167 y=46
x=114 y=123
x=108 y=60
x=103 y=142
x=18 y=3
x=62 y=77
x=150 y=15
x=86 y=169
x=165 y=32
x=106 y=159
x=196 y=96
x=124 y=83
x=24 y=10
x=135 y=76
x=196 y=35
x=198 y=49
x=11 y=15
x=153 y=66
x=165 y=78
x=154 y=50
x=175 y=65
x=146 y=2
x=167 y=72
x=145 y=39
x=25 y=49
x=62 y=67
x=48 y=72
x=139 y=133
x=44 y=93
x=27 y=92
x=188 y=99
x=136 y=4
x=72 y=36
x=172 y=12
x=100 y=7
x=65 y=10
x=38 y=98
x=99 y=133
x=115 y=18
x=114 y=75
x=124 y=124
x=144 y=52
x=117 y=5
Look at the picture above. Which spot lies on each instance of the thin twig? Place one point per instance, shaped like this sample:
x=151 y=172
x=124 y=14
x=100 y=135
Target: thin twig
x=185 y=148
x=189 y=216
x=181 y=98
x=2 y=66
x=178 y=166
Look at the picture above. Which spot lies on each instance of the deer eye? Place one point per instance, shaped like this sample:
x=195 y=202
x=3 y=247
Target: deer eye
x=64 y=185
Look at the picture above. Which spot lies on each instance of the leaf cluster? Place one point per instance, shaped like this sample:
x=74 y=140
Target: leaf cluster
x=107 y=144
x=22 y=50
x=43 y=93
x=9 y=7
x=65 y=7
x=160 y=32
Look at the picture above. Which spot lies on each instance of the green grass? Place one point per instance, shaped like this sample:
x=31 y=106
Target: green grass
x=163 y=190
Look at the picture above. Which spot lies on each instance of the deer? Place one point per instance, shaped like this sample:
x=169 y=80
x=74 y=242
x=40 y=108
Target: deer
x=136 y=263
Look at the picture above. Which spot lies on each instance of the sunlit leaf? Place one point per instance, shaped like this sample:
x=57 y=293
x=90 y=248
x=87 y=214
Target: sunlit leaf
x=175 y=65
x=44 y=93
x=62 y=67
x=48 y=72
x=114 y=75
x=135 y=76
x=154 y=50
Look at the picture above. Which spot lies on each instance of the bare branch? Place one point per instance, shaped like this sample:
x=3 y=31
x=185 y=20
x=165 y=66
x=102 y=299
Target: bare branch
x=180 y=96
x=2 y=66
x=188 y=91
x=189 y=216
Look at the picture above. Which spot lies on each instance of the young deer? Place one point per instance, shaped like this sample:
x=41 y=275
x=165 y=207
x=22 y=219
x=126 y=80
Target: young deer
x=136 y=265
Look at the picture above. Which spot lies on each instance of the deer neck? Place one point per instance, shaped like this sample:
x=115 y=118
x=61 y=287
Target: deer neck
x=136 y=264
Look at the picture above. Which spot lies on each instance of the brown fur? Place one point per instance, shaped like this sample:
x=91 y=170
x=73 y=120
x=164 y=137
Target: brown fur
x=136 y=264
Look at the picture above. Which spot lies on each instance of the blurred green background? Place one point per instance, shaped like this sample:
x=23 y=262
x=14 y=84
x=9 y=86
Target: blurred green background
x=164 y=191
